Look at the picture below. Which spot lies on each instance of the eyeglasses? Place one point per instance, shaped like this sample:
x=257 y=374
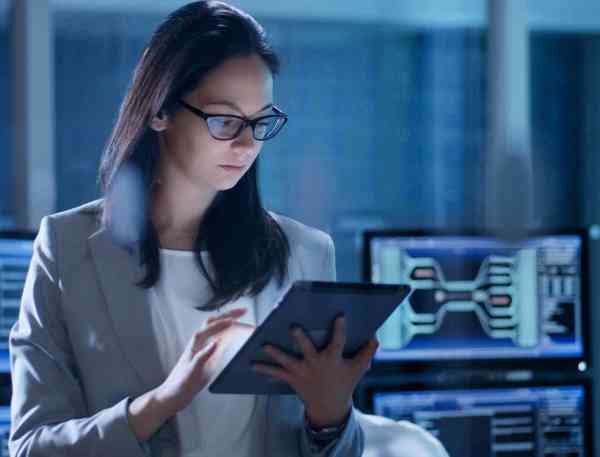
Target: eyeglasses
x=229 y=126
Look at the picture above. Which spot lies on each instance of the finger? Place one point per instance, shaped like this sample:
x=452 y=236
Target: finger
x=362 y=359
x=201 y=357
x=286 y=361
x=234 y=313
x=338 y=341
x=306 y=345
x=201 y=338
x=274 y=372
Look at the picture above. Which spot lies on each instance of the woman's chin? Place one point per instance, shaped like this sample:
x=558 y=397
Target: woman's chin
x=226 y=184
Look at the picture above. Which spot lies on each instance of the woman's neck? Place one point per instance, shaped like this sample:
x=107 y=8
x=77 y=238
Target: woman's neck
x=177 y=214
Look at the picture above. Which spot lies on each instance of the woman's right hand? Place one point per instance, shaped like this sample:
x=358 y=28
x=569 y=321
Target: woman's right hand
x=191 y=374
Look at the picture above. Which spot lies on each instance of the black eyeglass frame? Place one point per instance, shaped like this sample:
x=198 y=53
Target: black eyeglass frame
x=245 y=121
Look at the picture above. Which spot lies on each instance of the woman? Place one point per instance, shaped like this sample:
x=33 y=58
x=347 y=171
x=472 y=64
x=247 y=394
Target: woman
x=129 y=298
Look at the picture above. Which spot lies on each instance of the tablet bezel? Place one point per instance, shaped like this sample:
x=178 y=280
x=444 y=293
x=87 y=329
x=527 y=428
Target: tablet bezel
x=402 y=291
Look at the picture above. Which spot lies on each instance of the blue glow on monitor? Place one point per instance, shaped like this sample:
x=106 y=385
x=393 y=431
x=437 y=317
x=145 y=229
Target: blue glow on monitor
x=4 y=430
x=516 y=422
x=480 y=297
x=15 y=256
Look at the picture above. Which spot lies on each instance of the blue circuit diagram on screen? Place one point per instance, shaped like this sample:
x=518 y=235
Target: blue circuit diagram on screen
x=480 y=297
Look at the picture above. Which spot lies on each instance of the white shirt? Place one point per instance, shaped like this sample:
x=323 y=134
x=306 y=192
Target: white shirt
x=215 y=425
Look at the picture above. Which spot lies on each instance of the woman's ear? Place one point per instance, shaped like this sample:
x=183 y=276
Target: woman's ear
x=159 y=122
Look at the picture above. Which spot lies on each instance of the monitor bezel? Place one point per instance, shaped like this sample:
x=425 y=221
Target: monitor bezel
x=508 y=363
x=369 y=387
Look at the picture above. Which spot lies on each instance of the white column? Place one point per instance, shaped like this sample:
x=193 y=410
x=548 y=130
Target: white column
x=33 y=109
x=508 y=175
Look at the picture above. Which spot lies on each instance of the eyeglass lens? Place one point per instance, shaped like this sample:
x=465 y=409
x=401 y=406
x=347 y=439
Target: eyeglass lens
x=225 y=127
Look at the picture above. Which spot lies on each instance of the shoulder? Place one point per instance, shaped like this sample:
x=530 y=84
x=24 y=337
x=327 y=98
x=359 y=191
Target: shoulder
x=86 y=214
x=66 y=233
x=82 y=221
x=382 y=432
x=302 y=237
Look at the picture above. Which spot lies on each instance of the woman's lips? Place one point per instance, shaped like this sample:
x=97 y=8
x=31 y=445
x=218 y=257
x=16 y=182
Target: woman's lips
x=231 y=168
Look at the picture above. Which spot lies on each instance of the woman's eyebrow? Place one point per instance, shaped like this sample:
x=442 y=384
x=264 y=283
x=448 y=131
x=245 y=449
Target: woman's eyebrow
x=235 y=107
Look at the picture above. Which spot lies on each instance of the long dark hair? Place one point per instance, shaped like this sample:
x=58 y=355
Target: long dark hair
x=245 y=244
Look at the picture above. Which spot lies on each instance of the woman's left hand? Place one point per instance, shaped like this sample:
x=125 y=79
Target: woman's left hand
x=324 y=380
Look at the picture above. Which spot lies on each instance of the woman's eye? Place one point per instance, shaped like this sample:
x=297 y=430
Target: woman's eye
x=227 y=122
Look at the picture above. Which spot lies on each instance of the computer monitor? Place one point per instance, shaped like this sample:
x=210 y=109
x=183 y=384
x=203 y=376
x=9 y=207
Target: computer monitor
x=16 y=249
x=477 y=297
x=4 y=429
x=515 y=421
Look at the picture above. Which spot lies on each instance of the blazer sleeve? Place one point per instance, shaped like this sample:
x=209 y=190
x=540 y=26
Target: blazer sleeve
x=49 y=415
x=351 y=442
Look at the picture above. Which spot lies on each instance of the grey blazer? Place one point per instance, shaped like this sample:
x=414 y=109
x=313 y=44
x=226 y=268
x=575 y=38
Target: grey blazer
x=83 y=346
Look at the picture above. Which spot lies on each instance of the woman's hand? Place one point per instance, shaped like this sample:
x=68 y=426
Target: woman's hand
x=325 y=380
x=192 y=371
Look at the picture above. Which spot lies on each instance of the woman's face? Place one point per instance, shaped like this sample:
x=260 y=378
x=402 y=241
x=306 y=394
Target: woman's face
x=242 y=86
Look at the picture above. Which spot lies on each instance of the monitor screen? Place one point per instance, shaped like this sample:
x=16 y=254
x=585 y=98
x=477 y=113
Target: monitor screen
x=4 y=430
x=15 y=255
x=477 y=297
x=497 y=422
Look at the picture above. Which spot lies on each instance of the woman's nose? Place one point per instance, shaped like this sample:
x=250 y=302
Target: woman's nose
x=244 y=140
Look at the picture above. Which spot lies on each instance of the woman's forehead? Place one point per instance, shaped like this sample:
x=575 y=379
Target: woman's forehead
x=236 y=106
x=245 y=83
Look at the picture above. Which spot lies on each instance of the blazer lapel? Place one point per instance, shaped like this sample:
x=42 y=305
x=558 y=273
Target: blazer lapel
x=128 y=306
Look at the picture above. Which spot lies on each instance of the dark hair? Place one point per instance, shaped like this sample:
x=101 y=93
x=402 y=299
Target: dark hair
x=246 y=245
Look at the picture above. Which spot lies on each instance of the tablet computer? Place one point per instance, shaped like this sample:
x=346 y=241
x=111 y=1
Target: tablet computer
x=313 y=305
